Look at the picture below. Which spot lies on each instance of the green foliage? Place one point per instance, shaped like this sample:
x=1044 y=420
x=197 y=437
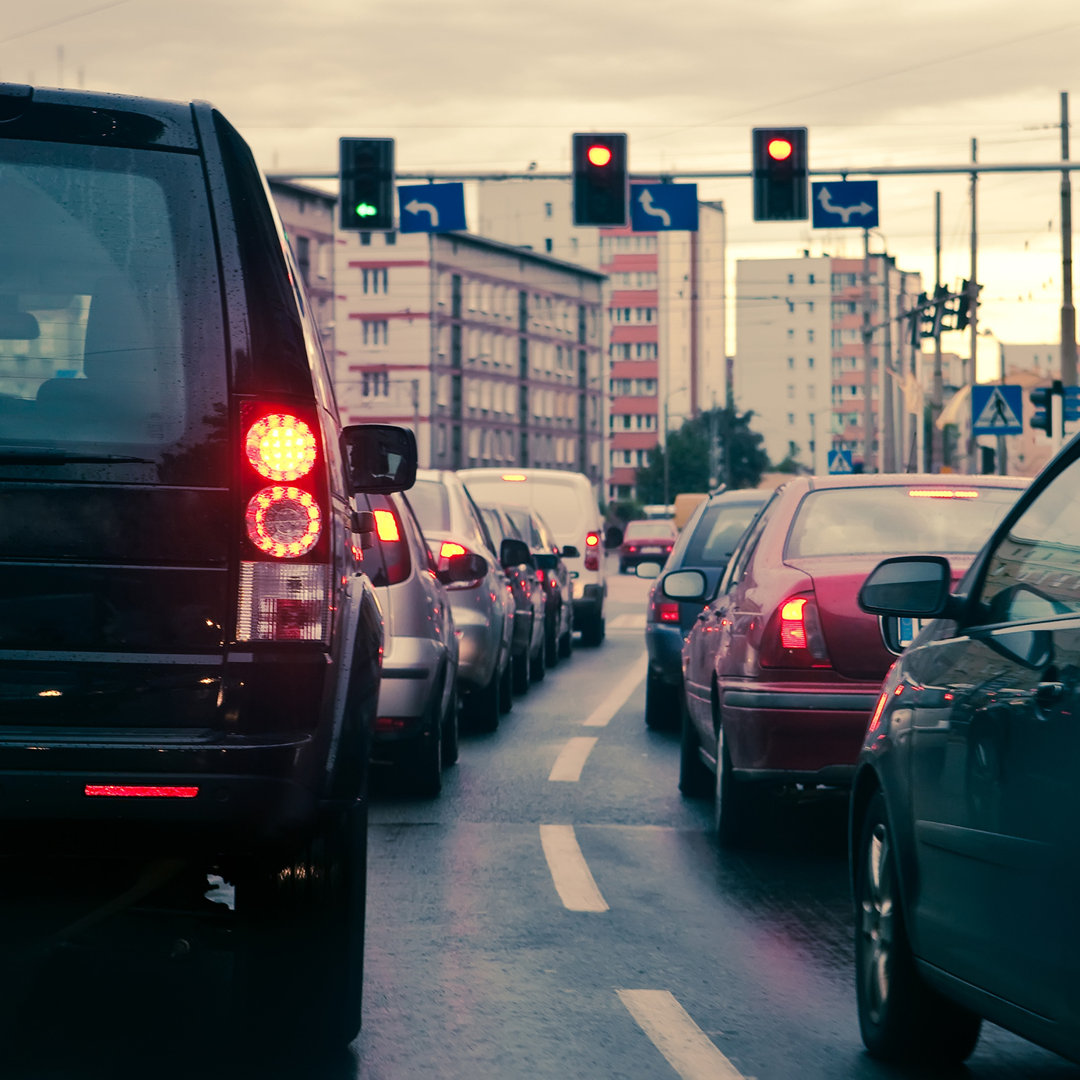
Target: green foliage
x=739 y=458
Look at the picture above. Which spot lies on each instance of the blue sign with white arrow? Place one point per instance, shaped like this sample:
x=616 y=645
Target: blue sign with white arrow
x=663 y=207
x=431 y=208
x=997 y=410
x=845 y=204
x=840 y=462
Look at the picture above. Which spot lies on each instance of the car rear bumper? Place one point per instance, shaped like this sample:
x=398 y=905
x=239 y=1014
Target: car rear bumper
x=588 y=601
x=797 y=734
x=410 y=678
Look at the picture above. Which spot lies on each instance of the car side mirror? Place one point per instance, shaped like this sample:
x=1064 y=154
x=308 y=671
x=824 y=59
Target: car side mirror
x=648 y=570
x=570 y=552
x=515 y=553
x=379 y=458
x=910 y=586
x=467 y=567
x=685 y=585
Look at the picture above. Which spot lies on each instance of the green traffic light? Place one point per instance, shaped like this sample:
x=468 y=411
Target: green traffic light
x=365 y=209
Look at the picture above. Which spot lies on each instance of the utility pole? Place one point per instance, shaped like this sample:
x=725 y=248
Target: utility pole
x=887 y=394
x=1068 y=311
x=937 y=436
x=868 y=368
x=971 y=297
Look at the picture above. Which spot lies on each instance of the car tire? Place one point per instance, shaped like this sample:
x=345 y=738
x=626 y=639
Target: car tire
x=522 y=673
x=623 y=567
x=901 y=1018
x=485 y=705
x=451 y=730
x=695 y=780
x=552 y=650
x=734 y=808
x=592 y=633
x=300 y=936
x=424 y=769
x=538 y=663
x=661 y=704
x=566 y=643
x=506 y=688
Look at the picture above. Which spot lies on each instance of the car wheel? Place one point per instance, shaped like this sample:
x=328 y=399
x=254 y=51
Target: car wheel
x=522 y=672
x=552 y=650
x=300 y=936
x=623 y=567
x=695 y=780
x=506 y=689
x=566 y=643
x=734 y=808
x=661 y=704
x=425 y=764
x=451 y=730
x=485 y=705
x=592 y=633
x=900 y=1016
x=538 y=664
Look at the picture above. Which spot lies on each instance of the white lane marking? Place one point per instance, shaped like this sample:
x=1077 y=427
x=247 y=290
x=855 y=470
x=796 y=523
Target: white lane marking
x=686 y=1047
x=569 y=871
x=571 y=759
x=627 y=622
x=602 y=714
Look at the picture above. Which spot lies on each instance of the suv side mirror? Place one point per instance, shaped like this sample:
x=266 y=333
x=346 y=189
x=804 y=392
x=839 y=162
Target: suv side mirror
x=467 y=567
x=379 y=458
x=515 y=553
x=568 y=551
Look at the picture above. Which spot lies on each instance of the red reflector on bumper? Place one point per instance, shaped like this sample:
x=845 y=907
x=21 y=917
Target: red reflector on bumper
x=141 y=791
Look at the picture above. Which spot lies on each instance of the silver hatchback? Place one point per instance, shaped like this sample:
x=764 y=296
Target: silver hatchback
x=483 y=605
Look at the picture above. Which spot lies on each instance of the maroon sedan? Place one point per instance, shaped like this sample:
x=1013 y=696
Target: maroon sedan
x=782 y=669
x=648 y=540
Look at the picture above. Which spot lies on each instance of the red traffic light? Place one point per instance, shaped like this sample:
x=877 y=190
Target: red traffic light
x=779 y=149
x=598 y=154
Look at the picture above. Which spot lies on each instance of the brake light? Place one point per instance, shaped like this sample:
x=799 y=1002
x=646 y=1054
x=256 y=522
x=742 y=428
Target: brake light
x=395 y=550
x=942 y=493
x=793 y=624
x=281 y=447
x=140 y=791
x=592 y=551
x=283 y=521
x=515 y=478
x=540 y=575
x=664 y=611
x=447 y=550
x=450 y=548
x=793 y=638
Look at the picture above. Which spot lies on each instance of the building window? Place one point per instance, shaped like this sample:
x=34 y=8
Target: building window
x=790 y=362
x=374 y=280
x=791 y=279
x=303 y=258
x=547 y=209
x=376 y=331
x=365 y=239
x=790 y=390
x=549 y=244
x=811 y=279
x=791 y=419
x=391 y=238
x=810 y=362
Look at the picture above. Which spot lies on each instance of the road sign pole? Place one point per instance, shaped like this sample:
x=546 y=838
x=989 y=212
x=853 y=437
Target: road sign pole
x=1057 y=417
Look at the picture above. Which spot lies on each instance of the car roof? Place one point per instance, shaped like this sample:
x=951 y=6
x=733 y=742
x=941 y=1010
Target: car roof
x=814 y=483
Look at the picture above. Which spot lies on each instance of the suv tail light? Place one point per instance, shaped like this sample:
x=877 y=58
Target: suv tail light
x=663 y=611
x=285 y=575
x=793 y=637
x=394 y=547
x=592 y=551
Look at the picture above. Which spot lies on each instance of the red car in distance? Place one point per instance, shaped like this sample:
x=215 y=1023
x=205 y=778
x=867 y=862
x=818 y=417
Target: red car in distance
x=782 y=670
x=647 y=540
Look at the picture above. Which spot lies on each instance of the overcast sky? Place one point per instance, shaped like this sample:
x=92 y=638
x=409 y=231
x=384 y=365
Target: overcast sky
x=497 y=84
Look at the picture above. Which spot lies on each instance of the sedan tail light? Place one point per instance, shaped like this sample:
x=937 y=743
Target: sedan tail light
x=447 y=550
x=793 y=637
x=663 y=611
x=395 y=548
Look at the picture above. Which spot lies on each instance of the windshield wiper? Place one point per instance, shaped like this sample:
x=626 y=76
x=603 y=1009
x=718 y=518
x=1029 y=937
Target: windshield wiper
x=35 y=455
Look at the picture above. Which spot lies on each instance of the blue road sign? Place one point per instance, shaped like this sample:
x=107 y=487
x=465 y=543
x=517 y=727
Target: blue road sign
x=997 y=410
x=840 y=462
x=1070 y=403
x=431 y=207
x=845 y=204
x=663 y=207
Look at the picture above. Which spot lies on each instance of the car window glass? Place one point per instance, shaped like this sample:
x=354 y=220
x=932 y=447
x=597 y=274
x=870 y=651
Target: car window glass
x=1034 y=571
x=717 y=533
x=478 y=524
x=410 y=516
x=737 y=566
x=429 y=501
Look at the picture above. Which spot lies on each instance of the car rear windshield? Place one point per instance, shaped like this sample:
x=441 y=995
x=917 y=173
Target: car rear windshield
x=901 y=520
x=558 y=502
x=641 y=530
x=110 y=317
x=431 y=505
x=717 y=532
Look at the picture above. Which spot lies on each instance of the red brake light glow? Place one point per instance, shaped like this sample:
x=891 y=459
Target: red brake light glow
x=449 y=549
x=281 y=447
x=792 y=624
x=386 y=526
x=283 y=521
x=140 y=791
x=879 y=708
x=592 y=539
x=942 y=493
x=514 y=477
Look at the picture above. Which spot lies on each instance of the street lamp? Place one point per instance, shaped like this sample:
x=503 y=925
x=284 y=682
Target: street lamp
x=667 y=461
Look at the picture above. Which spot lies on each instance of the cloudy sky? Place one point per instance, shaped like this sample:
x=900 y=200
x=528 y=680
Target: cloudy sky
x=497 y=84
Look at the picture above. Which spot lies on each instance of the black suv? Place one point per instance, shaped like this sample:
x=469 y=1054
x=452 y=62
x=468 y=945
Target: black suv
x=189 y=647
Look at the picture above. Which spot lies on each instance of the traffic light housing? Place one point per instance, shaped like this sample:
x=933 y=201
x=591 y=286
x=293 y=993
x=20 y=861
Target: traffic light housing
x=601 y=179
x=1041 y=417
x=366 y=184
x=781 y=174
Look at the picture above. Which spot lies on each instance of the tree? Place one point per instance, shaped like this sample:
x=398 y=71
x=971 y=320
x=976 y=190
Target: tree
x=735 y=450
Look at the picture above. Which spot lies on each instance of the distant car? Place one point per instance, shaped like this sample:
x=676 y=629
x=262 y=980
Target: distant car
x=555 y=578
x=416 y=723
x=705 y=543
x=482 y=604
x=646 y=540
x=965 y=852
x=781 y=671
x=568 y=501
x=527 y=647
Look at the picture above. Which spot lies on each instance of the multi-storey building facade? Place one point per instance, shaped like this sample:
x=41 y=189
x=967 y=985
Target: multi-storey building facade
x=800 y=358
x=665 y=327
x=492 y=354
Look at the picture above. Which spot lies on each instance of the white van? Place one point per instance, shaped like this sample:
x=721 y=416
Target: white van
x=567 y=501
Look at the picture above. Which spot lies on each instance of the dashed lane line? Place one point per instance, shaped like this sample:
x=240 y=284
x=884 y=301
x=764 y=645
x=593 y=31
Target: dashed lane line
x=602 y=714
x=571 y=759
x=687 y=1048
x=573 y=882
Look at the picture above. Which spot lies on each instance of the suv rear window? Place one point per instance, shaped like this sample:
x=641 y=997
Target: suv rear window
x=110 y=323
x=903 y=520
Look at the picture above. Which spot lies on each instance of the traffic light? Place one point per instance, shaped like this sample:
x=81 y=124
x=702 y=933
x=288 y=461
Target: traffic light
x=366 y=179
x=780 y=174
x=1040 y=398
x=601 y=179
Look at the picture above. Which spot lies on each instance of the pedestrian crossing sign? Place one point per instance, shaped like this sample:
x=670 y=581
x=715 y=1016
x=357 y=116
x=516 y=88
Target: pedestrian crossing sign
x=997 y=410
x=840 y=462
